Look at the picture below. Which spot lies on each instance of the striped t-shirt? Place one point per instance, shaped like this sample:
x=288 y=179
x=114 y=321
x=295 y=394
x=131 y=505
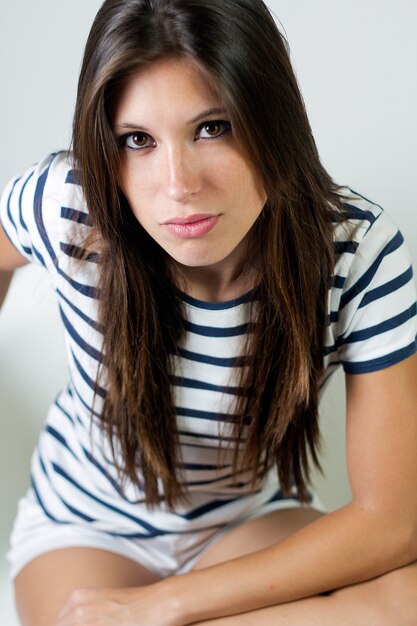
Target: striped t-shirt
x=371 y=325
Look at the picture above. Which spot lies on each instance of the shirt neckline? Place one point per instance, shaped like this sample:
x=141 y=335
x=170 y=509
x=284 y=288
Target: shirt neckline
x=216 y=306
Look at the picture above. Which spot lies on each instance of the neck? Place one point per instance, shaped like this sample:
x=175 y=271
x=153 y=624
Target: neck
x=220 y=282
x=208 y=286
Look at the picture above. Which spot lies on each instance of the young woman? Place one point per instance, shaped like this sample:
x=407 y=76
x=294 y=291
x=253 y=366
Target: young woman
x=210 y=278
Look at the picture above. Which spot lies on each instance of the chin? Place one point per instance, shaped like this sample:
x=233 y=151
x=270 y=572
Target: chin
x=197 y=257
x=186 y=262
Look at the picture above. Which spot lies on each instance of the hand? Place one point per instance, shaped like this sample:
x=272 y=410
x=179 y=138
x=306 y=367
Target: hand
x=143 y=606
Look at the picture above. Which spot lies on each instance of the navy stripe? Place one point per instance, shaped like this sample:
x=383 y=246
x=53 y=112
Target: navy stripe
x=79 y=253
x=98 y=327
x=64 y=412
x=229 y=486
x=367 y=277
x=73 y=177
x=91 y=411
x=54 y=519
x=342 y=247
x=56 y=435
x=95 y=354
x=219 y=503
x=366 y=199
x=22 y=221
x=99 y=390
x=278 y=495
x=389 y=287
x=355 y=213
x=217 y=306
x=76 y=216
x=25 y=249
x=329 y=349
x=38 y=255
x=42 y=464
x=232 y=485
x=40 y=187
x=338 y=281
x=333 y=317
x=211 y=481
x=76 y=512
x=37 y=207
x=378 y=329
x=372 y=365
x=207 y=415
x=206 y=508
x=211 y=331
x=105 y=473
x=151 y=529
x=77 y=417
x=238 y=361
x=9 y=213
x=198 y=384
x=85 y=290
x=194 y=435
x=41 y=504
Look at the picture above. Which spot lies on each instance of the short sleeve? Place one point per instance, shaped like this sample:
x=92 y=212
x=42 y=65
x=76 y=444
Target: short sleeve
x=376 y=320
x=32 y=207
x=17 y=211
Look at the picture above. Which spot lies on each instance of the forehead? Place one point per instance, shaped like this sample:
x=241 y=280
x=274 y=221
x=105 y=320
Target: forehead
x=169 y=83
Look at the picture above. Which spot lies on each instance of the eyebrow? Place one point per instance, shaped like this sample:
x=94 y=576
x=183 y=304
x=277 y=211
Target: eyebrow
x=194 y=120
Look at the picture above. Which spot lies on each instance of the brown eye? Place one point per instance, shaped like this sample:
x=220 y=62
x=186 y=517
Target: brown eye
x=136 y=141
x=213 y=129
x=139 y=140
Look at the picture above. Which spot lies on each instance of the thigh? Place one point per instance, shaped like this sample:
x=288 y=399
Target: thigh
x=44 y=584
x=256 y=534
x=395 y=592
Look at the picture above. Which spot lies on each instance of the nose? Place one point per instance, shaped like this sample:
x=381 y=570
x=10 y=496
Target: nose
x=183 y=175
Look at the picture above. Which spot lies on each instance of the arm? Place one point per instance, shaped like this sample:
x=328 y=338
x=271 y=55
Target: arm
x=10 y=259
x=375 y=533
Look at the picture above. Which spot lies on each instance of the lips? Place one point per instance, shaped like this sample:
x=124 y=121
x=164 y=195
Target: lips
x=191 y=226
x=190 y=219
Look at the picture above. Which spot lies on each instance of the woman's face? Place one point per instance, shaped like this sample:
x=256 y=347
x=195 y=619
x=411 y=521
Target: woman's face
x=181 y=171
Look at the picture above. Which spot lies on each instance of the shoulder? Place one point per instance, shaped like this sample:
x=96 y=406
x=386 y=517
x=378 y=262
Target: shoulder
x=372 y=304
x=57 y=179
x=362 y=218
x=366 y=236
x=53 y=179
x=44 y=207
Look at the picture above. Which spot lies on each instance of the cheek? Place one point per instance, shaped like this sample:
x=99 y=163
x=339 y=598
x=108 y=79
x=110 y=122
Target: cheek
x=138 y=187
x=242 y=185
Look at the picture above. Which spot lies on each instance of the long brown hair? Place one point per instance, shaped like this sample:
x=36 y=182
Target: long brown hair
x=241 y=50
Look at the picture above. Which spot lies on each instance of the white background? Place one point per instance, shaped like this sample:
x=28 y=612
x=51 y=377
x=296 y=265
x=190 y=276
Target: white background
x=357 y=65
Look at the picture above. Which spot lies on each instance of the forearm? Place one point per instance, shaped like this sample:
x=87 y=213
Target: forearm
x=340 y=549
x=5 y=278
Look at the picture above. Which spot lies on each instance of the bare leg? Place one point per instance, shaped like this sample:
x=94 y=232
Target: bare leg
x=42 y=586
x=390 y=600
x=257 y=534
x=317 y=611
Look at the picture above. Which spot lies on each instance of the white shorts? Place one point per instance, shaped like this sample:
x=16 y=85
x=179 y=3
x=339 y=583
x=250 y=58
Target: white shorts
x=34 y=534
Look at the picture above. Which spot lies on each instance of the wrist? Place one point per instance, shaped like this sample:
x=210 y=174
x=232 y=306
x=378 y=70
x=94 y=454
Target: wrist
x=172 y=600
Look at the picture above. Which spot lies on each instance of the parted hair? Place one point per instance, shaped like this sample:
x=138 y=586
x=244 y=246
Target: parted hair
x=238 y=46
